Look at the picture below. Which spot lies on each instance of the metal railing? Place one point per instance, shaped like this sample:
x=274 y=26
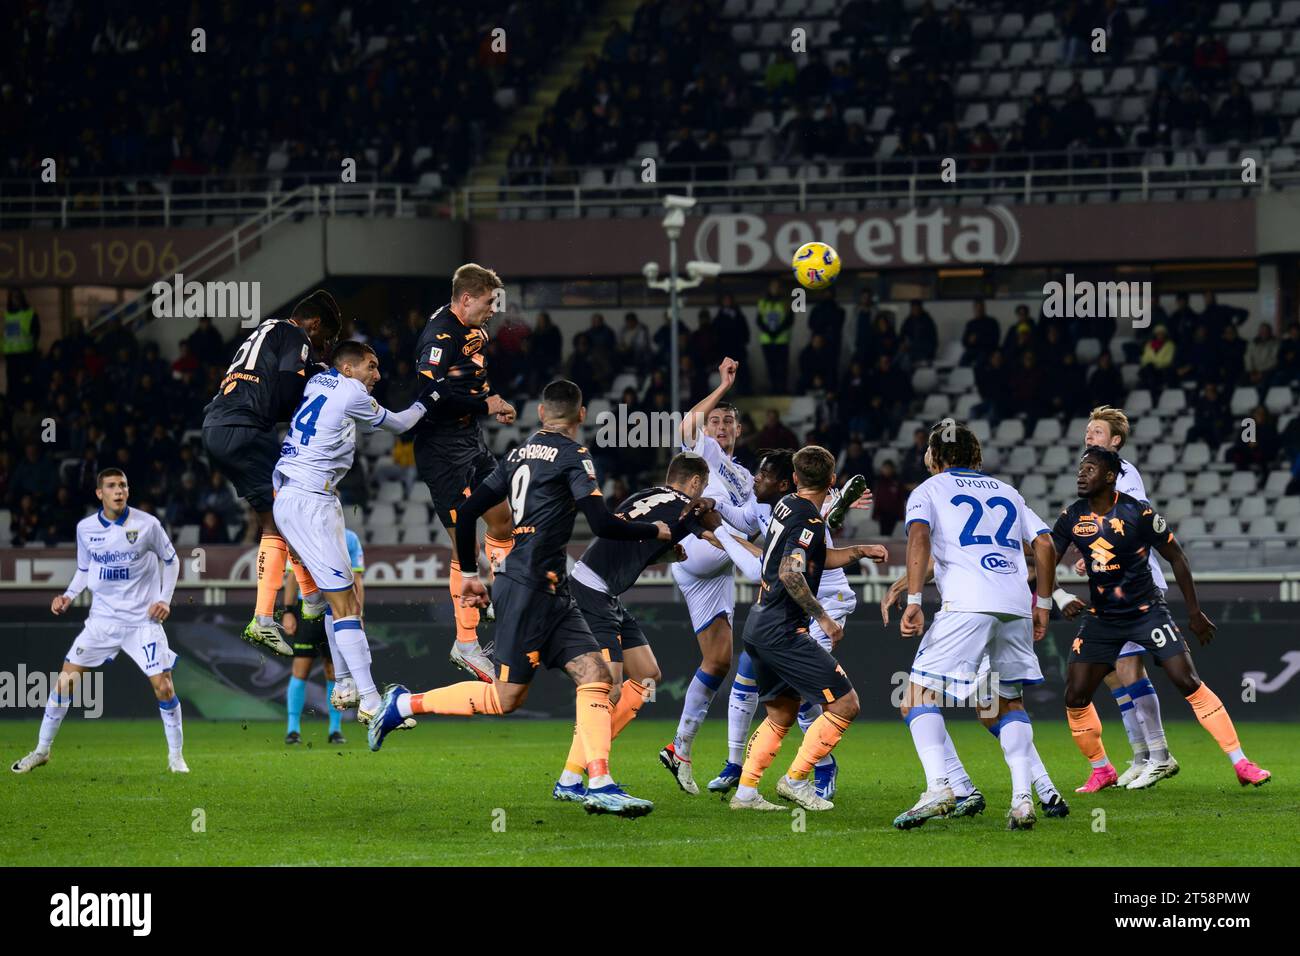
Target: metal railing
x=182 y=201
x=308 y=201
x=620 y=191
x=544 y=192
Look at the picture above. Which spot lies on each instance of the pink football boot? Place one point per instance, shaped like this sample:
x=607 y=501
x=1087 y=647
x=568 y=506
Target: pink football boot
x=1101 y=778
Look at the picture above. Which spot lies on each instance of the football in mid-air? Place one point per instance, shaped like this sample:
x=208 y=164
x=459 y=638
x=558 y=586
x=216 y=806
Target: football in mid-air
x=816 y=265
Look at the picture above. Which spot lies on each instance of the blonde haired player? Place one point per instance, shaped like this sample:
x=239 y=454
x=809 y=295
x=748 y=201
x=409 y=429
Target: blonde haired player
x=127 y=561
x=451 y=456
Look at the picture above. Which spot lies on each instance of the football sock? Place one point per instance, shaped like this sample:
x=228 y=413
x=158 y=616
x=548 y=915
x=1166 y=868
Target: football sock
x=740 y=709
x=170 y=712
x=1042 y=782
x=1147 y=705
x=1016 y=735
x=341 y=671
x=807 y=716
x=497 y=550
x=1214 y=717
x=336 y=715
x=818 y=742
x=595 y=730
x=699 y=694
x=311 y=595
x=1137 y=735
x=958 y=778
x=271 y=555
x=56 y=708
x=462 y=700
x=296 y=697
x=760 y=752
x=355 y=649
x=466 y=617
x=628 y=705
x=928 y=733
x=1085 y=725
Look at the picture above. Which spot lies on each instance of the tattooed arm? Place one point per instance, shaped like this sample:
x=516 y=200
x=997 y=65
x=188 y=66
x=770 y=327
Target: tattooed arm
x=792 y=577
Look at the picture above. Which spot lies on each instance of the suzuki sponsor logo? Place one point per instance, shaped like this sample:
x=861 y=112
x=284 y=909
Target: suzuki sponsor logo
x=742 y=242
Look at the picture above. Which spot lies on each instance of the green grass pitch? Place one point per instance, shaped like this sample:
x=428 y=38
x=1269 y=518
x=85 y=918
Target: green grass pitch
x=434 y=795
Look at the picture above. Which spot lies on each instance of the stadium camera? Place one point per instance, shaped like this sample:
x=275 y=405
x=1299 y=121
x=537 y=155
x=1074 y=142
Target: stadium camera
x=679 y=202
x=651 y=271
x=698 y=269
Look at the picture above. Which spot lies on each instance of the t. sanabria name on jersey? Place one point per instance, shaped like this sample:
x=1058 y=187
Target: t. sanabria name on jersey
x=545 y=452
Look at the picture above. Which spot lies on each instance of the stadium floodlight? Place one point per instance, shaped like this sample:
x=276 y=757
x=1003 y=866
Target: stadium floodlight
x=673 y=223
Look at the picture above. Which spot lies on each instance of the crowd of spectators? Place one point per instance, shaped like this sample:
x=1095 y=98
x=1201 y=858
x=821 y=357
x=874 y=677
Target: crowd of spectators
x=109 y=89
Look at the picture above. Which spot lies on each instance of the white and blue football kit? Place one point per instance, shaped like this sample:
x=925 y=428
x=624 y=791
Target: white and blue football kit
x=978 y=525
x=705 y=578
x=316 y=454
x=1130 y=483
x=128 y=565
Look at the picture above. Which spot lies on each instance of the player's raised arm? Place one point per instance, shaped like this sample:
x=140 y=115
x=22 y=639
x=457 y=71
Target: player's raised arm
x=693 y=422
x=1155 y=531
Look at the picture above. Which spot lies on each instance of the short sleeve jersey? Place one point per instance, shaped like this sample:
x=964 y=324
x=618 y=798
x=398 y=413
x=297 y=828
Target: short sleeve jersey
x=978 y=525
x=620 y=563
x=321 y=443
x=1116 y=547
x=541 y=479
x=796 y=525
x=122 y=561
x=252 y=392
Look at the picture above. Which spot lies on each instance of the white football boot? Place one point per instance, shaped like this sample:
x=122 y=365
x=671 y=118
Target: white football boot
x=1021 y=816
x=803 y=793
x=473 y=659
x=344 y=695
x=1135 y=770
x=30 y=762
x=933 y=803
x=176 y=763
x=1153 y=773
x=757 y=803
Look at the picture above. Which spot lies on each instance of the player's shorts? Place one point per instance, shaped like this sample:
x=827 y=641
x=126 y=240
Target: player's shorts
x=1100 y=641
x=247 y=456
x=452 y=467
x=146 y=644
x=536 y=629
x=958 y=643
x=310 y=640
x=614 y=628
x=839 y=608
x=1133 y=648
x=707 y=598
x=789 y=663
x=312 y=524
